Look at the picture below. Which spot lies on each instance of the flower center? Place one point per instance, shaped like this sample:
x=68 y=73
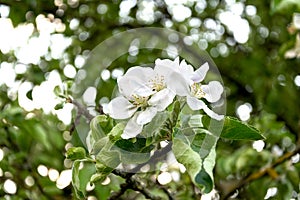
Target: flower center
x=196 y=90
x=139 y=101
x=157 y=83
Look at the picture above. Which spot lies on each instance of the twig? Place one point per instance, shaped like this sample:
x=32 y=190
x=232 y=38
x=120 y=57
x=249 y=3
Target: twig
x=154 y=159
x=131 y=183
x=134 y=185
x=262 y=172
x=80 y=109
x=165 y=189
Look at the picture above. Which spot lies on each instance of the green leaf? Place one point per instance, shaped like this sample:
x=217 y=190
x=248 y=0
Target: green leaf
x=195 y=149
x=185 y=154
x=100 y=126
x=154 y=128
x=116 y=132
x=99 y=145
x=175 y=113
x=133 y=152
x=208 y=166
x=59 y=106
x=81 y=176
x=195 y=121
x=102 y=172
x=75 y=153
x=203 y=178
x=57 y=90
x=75 y=179
x=109 y=157
x=234 y=129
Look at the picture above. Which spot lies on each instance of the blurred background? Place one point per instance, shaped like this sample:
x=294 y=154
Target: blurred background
x=44 y=46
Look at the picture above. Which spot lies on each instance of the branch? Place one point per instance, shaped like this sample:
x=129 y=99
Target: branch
x=154 y=159
x=165 y=189
x=265 y=170
x=133 y=184
x=81 y=111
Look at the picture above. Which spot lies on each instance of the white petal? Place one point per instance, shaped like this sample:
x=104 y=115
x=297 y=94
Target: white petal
x=165 y=69
x=213 y=91
x=212 y=114
x=135 y=81
x=132 y=129
x=167 y=63
x=185 y=69
x=200 y=73
x=141 y=72
x=196 y=104
x=162 y=99
x=120 y=108
x=131 y=85
x=146 y=116
x=178 y=84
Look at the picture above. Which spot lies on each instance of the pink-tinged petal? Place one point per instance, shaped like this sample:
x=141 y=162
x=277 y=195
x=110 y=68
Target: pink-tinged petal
x=144 y=117
x=213 y=91
x=196 y=104
x=162 y=99
x=120 y=108
x=130 y=85
x=178 y=84
x=200 y=73
x=132 y=129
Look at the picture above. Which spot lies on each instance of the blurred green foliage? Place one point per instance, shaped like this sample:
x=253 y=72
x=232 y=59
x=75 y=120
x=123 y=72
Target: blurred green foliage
x=254 y=72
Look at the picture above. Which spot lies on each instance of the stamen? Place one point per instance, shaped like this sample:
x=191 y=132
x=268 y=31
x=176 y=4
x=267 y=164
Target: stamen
x=157 y=83
x=139 y=101
x=196 y=90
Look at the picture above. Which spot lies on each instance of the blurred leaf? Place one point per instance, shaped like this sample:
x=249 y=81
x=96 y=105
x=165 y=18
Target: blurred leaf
x=76 y=153
x=59 y=106
x=57 y=90
x=285 y=6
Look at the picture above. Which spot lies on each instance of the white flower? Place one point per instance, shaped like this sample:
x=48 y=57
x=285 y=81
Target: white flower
x=186 y=82
x=143 y=93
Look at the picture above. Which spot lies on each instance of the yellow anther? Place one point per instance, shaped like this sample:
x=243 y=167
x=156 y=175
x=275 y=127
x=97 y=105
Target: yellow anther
x=196 y=90
x=157 y=83
x=139 y=101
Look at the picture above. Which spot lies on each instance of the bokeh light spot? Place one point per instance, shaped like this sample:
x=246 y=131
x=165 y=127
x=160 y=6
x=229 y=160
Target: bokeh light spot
x=10 y=186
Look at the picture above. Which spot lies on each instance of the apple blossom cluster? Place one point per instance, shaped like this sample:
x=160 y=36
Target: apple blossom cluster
x=145 y=91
